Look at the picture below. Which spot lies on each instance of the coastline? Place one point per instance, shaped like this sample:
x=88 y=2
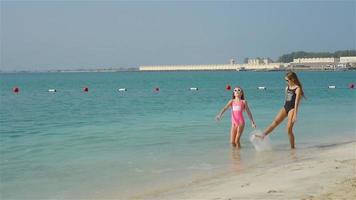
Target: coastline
x=327 y=172
x=134 y=69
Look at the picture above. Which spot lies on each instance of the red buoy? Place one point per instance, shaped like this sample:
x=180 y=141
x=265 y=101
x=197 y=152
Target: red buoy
x=351 y=85
x=85 y=89
x=16 y=90
x=228 y=87
x=157 y=89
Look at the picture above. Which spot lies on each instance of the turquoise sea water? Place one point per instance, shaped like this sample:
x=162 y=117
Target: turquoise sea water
x=105 y=144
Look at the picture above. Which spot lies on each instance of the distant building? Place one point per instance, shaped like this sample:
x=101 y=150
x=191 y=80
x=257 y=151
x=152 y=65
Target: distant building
x=315 y=60
x=349 y=59
x=315 y=63
x=232 y=61
x=267 y=61
x=259 y=61
x=254 y=61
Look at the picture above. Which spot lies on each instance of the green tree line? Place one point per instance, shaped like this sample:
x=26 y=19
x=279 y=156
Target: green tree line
x=286 y=58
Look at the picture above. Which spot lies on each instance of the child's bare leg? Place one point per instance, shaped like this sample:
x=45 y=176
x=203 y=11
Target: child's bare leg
x=290 y=129
x=233 y=133
x=240 y=130
x=279 y=118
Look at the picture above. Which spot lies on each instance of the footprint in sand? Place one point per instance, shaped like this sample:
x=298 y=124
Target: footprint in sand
x=273 y=191
x=311 y=197
x=245 y=185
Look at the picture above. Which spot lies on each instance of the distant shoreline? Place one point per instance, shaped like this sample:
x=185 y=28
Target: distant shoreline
x=137 y=70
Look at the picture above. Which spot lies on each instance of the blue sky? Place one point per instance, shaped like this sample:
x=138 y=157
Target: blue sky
x=73 y=34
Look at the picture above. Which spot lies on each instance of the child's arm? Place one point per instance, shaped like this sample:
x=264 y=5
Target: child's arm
x=296 y=105
x=250 y=115
x=218 y=117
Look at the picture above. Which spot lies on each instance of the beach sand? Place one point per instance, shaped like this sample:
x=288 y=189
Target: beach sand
x=325 y=172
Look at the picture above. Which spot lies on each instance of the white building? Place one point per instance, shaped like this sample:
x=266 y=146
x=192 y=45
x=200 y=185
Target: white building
x=315 y=60
x=259 y=61
x=254 y=61
x=267 y=61
x=348 y=59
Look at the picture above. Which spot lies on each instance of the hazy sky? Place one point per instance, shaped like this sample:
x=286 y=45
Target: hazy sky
x=72 y=34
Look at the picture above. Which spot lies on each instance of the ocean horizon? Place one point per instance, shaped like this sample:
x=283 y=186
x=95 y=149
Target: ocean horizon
x=105 y=143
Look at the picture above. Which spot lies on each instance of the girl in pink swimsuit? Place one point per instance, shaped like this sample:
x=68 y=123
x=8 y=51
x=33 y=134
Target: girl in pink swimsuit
x=238 y=105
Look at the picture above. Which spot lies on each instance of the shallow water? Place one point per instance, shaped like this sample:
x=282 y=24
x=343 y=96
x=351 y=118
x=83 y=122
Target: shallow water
x=104 y=143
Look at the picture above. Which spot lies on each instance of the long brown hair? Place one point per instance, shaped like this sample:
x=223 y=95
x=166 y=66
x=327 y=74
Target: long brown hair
x=294 y=78
x=242 y=92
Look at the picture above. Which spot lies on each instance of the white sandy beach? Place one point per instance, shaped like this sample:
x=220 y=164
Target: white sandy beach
x=328 y=172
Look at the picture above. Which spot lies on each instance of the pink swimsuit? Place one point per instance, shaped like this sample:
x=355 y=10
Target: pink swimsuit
x=237 y=118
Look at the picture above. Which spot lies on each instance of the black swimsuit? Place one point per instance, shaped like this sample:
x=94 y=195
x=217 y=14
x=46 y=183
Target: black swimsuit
x=290 y=99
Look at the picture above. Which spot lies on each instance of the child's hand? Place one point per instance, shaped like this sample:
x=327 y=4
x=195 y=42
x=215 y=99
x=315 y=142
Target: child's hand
x=253 y=125
x=294 y=118
x=218 y=117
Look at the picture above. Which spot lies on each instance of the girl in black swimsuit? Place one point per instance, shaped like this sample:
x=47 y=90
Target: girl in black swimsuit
x=290 y=99
x=294 y=92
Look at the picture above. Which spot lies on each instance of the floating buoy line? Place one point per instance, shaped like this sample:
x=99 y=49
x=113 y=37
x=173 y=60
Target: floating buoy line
x=228 y=87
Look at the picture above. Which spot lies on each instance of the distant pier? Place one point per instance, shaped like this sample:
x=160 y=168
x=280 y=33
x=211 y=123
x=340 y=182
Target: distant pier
x=213 y=67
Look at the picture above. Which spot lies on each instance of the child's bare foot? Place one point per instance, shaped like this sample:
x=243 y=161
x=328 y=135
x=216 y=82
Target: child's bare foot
x=259 y=136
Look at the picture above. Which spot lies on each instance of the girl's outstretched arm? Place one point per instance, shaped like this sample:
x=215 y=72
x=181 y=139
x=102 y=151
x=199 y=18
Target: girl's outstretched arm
x=250 y=115
x=218 y=117
x=296 y=105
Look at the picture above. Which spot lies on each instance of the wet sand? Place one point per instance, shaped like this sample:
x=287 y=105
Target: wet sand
x=326 y=172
